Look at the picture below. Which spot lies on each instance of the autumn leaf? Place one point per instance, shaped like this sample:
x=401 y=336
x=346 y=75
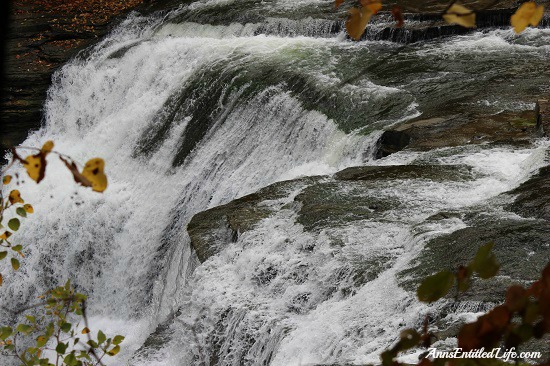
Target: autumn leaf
x=527 y=14
x=47 y=147
x=358 y=20
x=337 y=3
x=15 y=197
x=94 y=172
x=36 y=164
x=373 y=6
x=461 y=15
x=28 y=208
x=397 y=16
x=6 y=179
x=5 y=235
x=79 y=178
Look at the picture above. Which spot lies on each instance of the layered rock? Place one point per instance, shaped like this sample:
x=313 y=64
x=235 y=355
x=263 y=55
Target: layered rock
x=42 y=36
x=505 y=128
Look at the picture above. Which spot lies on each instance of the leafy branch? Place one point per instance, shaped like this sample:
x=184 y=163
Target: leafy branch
x=53 y=325
x=523 y=316
x=528 y=14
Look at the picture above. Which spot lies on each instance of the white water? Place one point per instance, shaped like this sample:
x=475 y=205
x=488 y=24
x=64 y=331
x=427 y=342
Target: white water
x=128 y=248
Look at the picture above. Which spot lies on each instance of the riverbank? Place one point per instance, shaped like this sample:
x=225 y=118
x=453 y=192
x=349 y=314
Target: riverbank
x=41 y=37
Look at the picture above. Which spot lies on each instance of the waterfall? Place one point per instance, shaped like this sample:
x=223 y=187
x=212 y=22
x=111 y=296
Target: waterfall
x=190 y=114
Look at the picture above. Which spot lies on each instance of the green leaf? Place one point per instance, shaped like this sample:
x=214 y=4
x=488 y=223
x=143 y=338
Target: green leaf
x=485 y=263
x=41 y=341
x=70 y=360
x=435 y=286
x=92 y=343
x=61 y=348
x=3 y=255
x=118 y=339
x=24 y=328
x=66 y=327
x=31 y=318
x=15 y=264
x=101 y=337
x=17 y=248
x=21 y=212
x=14 y=224
x=5 y=332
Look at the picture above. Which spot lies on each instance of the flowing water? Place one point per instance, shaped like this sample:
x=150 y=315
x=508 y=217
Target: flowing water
x=217 y=99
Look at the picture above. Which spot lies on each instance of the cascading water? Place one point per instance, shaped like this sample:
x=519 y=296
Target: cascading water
x=190 y=115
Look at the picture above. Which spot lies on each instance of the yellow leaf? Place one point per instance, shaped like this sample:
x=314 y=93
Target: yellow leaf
x=47 y=147
x=85 y=331
x=461 y=15
x=114 y=351
x=6 y=179
x=527 y=14
x=15 y=197
x=357 y=21
x=36 y=166
x=94 y=172
x=79 y=178
x=373 y=6
x=5 y=235
x=28 y=208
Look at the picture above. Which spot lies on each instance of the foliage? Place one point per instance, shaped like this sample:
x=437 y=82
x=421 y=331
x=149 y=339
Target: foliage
x=53 y=330
x=524 y=314
x=53 y=327
x=528 y=13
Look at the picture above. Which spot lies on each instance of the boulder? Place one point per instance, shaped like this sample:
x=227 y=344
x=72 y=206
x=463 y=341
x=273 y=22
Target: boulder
x=515 y=128
x=533 y=196
x=210 y=230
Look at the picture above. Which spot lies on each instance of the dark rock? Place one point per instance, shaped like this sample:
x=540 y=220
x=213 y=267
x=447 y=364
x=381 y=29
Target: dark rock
x=212 y=229
x=522 y=247
x=332 y=204
x=39 y=39
x=432 y=172
x=516 y=128
x=391 y=142
x=543 y=112
x=533 y=198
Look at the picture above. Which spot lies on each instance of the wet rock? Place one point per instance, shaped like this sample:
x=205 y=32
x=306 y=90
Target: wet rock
x=533 y=196
x=322 y=202
x=543 y=112
x=40 y=38
x=212 y=229
x=516 y=128
x=522 y=247
x=332 y=204
x=413 y=171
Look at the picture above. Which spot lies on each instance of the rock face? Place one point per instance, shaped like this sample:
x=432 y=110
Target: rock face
x=211 y=229
x=516 y=241
x=517 y=128
x=42 y=36
x=533 y=196
x=321 y=202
